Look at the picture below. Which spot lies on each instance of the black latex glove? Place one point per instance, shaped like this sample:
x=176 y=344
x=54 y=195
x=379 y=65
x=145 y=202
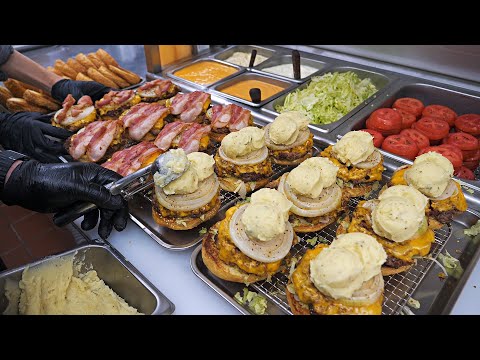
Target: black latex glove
x=62 y=88
x=51 y=188
x=25 y=132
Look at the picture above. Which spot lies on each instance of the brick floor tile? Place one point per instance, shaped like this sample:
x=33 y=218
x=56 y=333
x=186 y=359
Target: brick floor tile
x=50 y=243
x=14 y=213
x=16 y=258
x=33 y=227
x=8 y=239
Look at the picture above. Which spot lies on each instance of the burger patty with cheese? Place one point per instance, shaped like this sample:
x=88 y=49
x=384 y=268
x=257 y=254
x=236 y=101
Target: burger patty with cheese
x=114 y=103
x=431 y=174
x=288 y=138
x=192 y=198
x=359 y=163
x=242 y=163
x=343 y=278
x=251 y=243
x=398 y=221
x=317 y=200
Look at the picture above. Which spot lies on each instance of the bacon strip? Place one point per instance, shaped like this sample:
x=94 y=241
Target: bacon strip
x=100 y=142
x=159 y=86
x=189 y=106
x=233 y=116
x=115 y=97
x=80 y=141
x=141 y=118
x=190 y=138
x=126 y=162
x=240 y=118
x=169 y=132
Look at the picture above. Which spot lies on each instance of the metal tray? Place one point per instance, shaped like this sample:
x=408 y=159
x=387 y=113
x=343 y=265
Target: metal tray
x=461 y=101
x=288 y=86
x=421 y=281
x=381 y=81
x=134 y=86
x=171 y=72
x=287 y=59
x=118 y=274
x=261 y=50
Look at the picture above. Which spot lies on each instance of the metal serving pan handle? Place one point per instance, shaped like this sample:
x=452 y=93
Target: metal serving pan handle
x=66 y=217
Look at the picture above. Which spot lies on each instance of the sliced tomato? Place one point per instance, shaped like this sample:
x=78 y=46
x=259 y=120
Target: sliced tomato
x=441 y=112
x=433 y=128
x=464 y=173
x=420 y=139
x=377 y=137
x=463 y=141
x=455 y=149
x=407 y=118
x=410 y=105
x=448 y=153
x=386 y=121
x=471 y=156
x=472 y=165
x=400 y=145
x=469 y=123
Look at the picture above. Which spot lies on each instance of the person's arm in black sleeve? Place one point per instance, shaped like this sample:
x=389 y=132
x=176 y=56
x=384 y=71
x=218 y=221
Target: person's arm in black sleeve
x=50 y=188
x=19 y=67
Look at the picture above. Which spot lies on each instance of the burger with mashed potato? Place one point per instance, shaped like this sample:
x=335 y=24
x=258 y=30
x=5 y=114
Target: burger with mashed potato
x=242 y=162
x=343 y=278
x=431 y=174
x=398 y=221
x=316 y=198
x=360 y=163
x=251 y=243
x=192 y=198
x=288 y=138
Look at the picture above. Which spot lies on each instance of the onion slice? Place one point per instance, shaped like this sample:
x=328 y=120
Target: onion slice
x=301 y=139
x=373 y=160
x=370 y=291
x=250 y=159
x=263 y=251
x=329 y=200
x=450 y=190
x=207 y=189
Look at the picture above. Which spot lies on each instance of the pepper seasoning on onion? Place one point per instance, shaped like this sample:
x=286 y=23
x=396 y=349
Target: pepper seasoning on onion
x=316 y=198
x=191 y=199
x=288 y=138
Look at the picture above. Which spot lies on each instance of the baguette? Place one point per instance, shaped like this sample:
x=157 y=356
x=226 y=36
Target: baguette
x=131 y=77
x=115 y=78
x=65 y=69
x=5 y=94
x=98 y=77
x=106 y=57
x=17 y=104
x=96 y=60
x=83 y=77
x=41 y=100
x=85 y=61
x=74 y=64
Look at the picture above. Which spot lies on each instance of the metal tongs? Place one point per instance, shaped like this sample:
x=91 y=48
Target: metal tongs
x=122 y=187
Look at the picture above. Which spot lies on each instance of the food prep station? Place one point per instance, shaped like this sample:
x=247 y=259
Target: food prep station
x=182 y=276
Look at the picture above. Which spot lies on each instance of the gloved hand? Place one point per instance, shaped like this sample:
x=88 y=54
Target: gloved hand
x=62 y=88
x=51 y=188
x=25 y=132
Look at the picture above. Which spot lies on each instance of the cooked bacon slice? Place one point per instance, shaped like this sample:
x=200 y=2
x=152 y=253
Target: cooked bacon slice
x=141 y=118
x=233 y=116
x=100 y=142
x=159 y=86
x=66 y=105
x=126 y=162
x=80 y=141
x=169 y=132
x=115 y=97
x=190 y=138
x=189 y=106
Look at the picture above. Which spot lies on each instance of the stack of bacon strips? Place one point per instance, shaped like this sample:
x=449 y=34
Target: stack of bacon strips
x=73 y=117
x=190 y=107
x=96 y=142
x=144 y=120
x=227 y=118
x=126 y=162
x=114 y=103
x=157 y=90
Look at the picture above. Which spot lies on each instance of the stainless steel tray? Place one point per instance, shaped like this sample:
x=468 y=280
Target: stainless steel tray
x=460 y=100
x=120 y=275
x=171 y=72
x=261 y=50
x=420 y=282
x=134 y=86
x=287 y=84
x=287 y=59
x=380 y=80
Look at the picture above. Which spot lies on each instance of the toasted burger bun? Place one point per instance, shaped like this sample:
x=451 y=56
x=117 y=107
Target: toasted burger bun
x=304 y=228
x=96 y=60
x=210 y=256
x=231 y=184
x=100 y=78
x=190 y=222
x=55 y=71
x=85 y=61
x=16 y=104
x=15 y=87
x=106 y=57
x=387 y=270
x=83 y=77
x=296 y=306
x=5 y=94
x=129 y=76
x=65 y=69
x=74 y=64
x=293 y=162
x=41 y=100
x=110 y=75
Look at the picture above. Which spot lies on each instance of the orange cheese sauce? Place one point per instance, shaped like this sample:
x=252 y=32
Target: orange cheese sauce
x=242 y=89
x=205 y=72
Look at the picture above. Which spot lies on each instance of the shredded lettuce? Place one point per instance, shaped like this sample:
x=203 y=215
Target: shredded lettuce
x=202 y=231
x=312 y=241
x=415 y=304
x=452 y=265
x=257 y=303
x=329 y=97
x=474 y=230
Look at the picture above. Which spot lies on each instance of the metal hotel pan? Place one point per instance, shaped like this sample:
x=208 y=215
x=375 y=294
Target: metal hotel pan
x=120 y=275
x=381 y=81
x=460 y=100
x=261 y=50
x=421 y=282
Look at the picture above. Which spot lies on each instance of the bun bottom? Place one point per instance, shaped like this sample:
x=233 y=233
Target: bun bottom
x=306 y=228
x=293 y=162
x=358 y=190
x=190 y=223
x=222 y=270
x=230 y=184
x=387 y=270
x=296 y=306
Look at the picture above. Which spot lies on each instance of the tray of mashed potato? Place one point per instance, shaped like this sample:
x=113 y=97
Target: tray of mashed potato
x=93 y=279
